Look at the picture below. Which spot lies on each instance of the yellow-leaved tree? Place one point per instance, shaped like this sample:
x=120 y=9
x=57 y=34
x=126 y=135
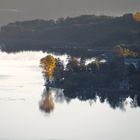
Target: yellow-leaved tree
x=137 y=16
x=49 y=64
x=124 y=52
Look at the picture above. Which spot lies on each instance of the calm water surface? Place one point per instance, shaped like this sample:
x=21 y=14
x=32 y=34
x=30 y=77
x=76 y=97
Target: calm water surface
x=21 y=90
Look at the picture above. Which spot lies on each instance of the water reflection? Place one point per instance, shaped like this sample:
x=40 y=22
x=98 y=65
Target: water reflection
x=116 y=99
x=20 y=92
x=47 y=104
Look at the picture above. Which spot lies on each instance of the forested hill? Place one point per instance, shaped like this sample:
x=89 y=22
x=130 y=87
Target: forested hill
x=82 y=32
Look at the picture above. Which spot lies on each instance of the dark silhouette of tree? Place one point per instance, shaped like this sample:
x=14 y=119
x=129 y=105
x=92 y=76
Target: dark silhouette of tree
x=73 y=64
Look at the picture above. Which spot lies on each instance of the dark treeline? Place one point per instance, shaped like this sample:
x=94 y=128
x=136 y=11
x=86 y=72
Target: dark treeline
x=114 y=75
x=72 y=34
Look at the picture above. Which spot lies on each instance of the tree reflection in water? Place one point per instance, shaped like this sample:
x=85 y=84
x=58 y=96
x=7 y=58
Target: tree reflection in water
x=47 y=104
x=116 y=99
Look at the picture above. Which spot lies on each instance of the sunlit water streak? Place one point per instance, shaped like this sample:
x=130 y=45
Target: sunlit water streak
x=21 y=88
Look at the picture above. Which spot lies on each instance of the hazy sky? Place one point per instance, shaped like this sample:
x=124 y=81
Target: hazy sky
x=12 y=10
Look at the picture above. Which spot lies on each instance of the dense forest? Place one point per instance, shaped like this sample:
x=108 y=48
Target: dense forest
x=86 y=33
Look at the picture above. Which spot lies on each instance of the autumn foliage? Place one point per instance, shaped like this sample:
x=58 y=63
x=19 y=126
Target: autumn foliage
x=48 y=63
x=137 y=16
x=124 y=52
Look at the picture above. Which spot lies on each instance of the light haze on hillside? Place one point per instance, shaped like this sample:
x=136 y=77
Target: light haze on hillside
x=13 y=10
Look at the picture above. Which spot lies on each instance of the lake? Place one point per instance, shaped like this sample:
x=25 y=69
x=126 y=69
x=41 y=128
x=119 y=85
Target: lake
x=22 y=117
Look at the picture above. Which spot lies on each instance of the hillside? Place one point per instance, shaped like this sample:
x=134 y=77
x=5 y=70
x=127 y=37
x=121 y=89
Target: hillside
x=86 y=33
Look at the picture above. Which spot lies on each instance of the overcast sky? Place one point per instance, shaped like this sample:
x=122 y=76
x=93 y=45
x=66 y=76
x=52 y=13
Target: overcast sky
x=13 y=10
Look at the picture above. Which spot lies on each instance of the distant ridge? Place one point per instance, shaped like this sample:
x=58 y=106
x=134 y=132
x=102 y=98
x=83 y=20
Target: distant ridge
x=85 y=32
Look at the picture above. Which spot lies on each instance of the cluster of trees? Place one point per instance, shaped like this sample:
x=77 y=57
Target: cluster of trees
x=76 y=73
x=96 y=74
x=54 y=67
